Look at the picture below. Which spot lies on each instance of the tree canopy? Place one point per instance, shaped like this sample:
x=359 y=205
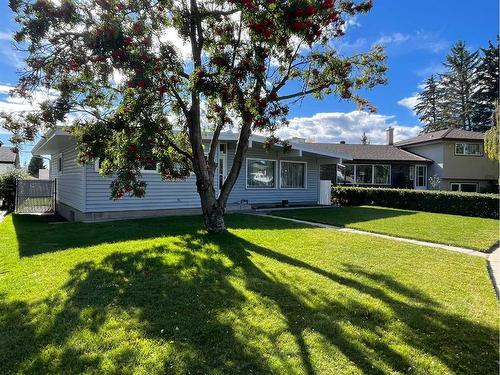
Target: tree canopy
x=139 y=81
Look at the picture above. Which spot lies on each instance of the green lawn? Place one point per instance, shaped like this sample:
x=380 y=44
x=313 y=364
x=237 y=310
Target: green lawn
x=161 y=296
x=470 y=232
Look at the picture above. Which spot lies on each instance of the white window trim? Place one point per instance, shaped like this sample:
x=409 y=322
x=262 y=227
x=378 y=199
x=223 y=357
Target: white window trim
x=60 y=157
x=426 y=176
x=464 y=183
x=225 y=169
x=275 y=175
x=305 y=174
x=149 y=171
x=481 y=148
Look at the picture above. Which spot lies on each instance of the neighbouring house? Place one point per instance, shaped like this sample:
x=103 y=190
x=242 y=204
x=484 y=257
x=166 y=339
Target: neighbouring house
x=451 y=159
x=266 y=177
x=459 y=160
x=9 y=159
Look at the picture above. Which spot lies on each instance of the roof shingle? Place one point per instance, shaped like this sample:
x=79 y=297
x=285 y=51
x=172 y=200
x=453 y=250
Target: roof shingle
x=7 y=155
x=453 y=133
x=372 y=152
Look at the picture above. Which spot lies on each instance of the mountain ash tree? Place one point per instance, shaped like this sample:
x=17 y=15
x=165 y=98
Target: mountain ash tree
x=136 y=100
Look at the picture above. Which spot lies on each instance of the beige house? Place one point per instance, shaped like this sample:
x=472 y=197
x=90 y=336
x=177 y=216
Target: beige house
x=459 y=162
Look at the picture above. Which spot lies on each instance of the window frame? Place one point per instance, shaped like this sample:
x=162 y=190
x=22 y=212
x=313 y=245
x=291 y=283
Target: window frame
x=464 y=145
x=150 y=171
x=372 y=183
x=305 y=175
x=60 y=164
x=275 y=187
x=464 y=183
x=388 y=176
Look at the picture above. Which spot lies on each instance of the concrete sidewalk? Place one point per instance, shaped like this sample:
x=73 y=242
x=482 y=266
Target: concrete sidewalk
x=493 y=259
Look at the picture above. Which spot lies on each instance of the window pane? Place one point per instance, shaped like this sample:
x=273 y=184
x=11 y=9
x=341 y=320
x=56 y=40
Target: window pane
x=455 y=187
x=459 y=148
x=469 y=188
x=363 y=174
x=473 y=149
x=260 y=173
x=349 y=174
x=292 y=175
x=382 y=174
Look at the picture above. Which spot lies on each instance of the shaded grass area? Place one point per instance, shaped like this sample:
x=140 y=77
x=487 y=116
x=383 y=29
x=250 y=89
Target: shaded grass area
x=161 y=296
x=469 y=232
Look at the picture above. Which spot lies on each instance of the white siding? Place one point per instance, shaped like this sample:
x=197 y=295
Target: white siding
x=159 y=194
x=69 y=183
x=255 y=196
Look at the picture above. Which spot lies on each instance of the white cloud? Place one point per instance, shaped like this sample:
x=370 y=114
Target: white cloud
x=14 y=104
x=395 y=38
x=346 y=126
x=436 y=68
x=409 y=102
x=418 y=41
x=5 y=36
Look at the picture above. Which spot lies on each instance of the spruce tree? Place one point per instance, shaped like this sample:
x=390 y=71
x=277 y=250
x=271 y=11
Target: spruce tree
x=429 y=106
x=459 y=84
x=35 y=164
x=487 y=82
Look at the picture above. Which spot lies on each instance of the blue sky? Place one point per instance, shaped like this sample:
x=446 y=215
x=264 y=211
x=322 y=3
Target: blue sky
x=417 y=36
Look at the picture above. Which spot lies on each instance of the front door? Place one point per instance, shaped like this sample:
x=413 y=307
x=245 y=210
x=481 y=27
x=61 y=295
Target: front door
x=421 y=177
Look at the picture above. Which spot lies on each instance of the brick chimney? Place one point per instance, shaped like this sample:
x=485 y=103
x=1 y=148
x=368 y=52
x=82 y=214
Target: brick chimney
x=389 y=135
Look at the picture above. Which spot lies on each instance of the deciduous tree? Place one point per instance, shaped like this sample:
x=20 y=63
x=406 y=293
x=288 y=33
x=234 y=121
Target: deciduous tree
x=136 y=99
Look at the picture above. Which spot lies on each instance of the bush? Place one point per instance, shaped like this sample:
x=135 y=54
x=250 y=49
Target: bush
x=8 y=187
x=447 y=202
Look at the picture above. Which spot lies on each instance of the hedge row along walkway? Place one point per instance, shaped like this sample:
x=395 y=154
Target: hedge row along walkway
x=493 y=258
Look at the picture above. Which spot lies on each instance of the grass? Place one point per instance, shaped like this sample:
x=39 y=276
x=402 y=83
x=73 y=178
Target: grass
x=161 y=296
x=469 y=232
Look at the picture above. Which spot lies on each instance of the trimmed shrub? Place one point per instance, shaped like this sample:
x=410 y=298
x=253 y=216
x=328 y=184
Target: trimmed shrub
x=8 y=187
x=446 y=202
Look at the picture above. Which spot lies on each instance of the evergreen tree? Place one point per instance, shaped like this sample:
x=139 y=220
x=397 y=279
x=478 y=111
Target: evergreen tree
x=429 y=106
x=487 y=92
x=459 y=84
x=35 y=164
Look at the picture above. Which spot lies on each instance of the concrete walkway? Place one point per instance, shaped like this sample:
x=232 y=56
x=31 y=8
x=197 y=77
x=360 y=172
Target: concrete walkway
x=493 y=259
x=494 y=269
x=2 y=215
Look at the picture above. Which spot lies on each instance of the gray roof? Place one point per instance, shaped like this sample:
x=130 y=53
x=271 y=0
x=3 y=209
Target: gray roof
x=372 y=152
x=7 y=155
x=453 y=133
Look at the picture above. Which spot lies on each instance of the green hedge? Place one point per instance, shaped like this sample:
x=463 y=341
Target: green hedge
x=8 y=187
x=447 y=202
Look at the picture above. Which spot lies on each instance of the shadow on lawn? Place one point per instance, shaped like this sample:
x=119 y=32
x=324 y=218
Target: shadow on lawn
x=190 y=305
x=35 y=235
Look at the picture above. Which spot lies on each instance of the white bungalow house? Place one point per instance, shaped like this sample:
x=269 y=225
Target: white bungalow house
x=266 y=177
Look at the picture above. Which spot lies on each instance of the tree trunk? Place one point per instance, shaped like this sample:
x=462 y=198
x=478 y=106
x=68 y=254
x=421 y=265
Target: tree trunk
x=213 y=212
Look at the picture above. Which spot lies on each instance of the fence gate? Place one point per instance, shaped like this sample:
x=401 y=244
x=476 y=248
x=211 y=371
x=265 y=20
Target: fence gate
x=35 y=196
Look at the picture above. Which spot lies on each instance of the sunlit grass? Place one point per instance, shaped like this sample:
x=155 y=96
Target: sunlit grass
x=469 y=232
x=160 y=296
